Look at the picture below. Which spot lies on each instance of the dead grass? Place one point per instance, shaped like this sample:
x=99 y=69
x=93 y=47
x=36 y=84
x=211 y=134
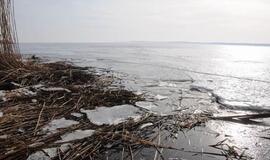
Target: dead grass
x=66 y=88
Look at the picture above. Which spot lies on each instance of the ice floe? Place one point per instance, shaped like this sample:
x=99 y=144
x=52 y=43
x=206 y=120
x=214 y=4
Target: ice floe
x=52 y=152
x=59 y=123
x=112 y=115
x=38 y=156
x=78 y=134
x=78 y=115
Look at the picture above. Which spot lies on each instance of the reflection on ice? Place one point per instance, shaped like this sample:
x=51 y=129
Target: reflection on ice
x=243 y=136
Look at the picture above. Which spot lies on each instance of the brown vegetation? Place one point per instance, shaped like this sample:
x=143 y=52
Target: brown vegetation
x=9 y=50
x=32 y=98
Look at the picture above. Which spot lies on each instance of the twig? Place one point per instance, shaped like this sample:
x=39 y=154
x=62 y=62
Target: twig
x=39 y=117
x=123 y=152
x=157 y=150
x=130 y=152
x=59 y=154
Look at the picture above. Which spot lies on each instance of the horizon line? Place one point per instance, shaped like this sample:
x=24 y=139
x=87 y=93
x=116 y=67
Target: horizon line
x=194 y=42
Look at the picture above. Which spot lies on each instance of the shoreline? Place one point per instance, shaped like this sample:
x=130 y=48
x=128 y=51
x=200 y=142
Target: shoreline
x=144 y=127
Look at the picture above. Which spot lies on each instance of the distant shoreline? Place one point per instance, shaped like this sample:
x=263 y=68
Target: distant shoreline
x=155 y=42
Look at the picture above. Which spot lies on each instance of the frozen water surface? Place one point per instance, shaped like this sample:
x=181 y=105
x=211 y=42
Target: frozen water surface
x=191 y=76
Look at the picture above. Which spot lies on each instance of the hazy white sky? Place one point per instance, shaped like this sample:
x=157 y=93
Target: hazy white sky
x=143 y=20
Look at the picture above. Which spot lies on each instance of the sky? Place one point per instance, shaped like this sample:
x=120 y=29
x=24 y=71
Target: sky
x=233 y=21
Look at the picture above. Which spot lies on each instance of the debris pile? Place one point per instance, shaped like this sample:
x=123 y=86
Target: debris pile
x=61 y=111
x=32 y=98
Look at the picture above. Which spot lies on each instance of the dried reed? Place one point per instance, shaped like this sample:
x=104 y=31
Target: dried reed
x=10 y=57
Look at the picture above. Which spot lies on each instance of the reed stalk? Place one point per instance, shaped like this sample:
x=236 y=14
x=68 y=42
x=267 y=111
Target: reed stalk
x=10 y=57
